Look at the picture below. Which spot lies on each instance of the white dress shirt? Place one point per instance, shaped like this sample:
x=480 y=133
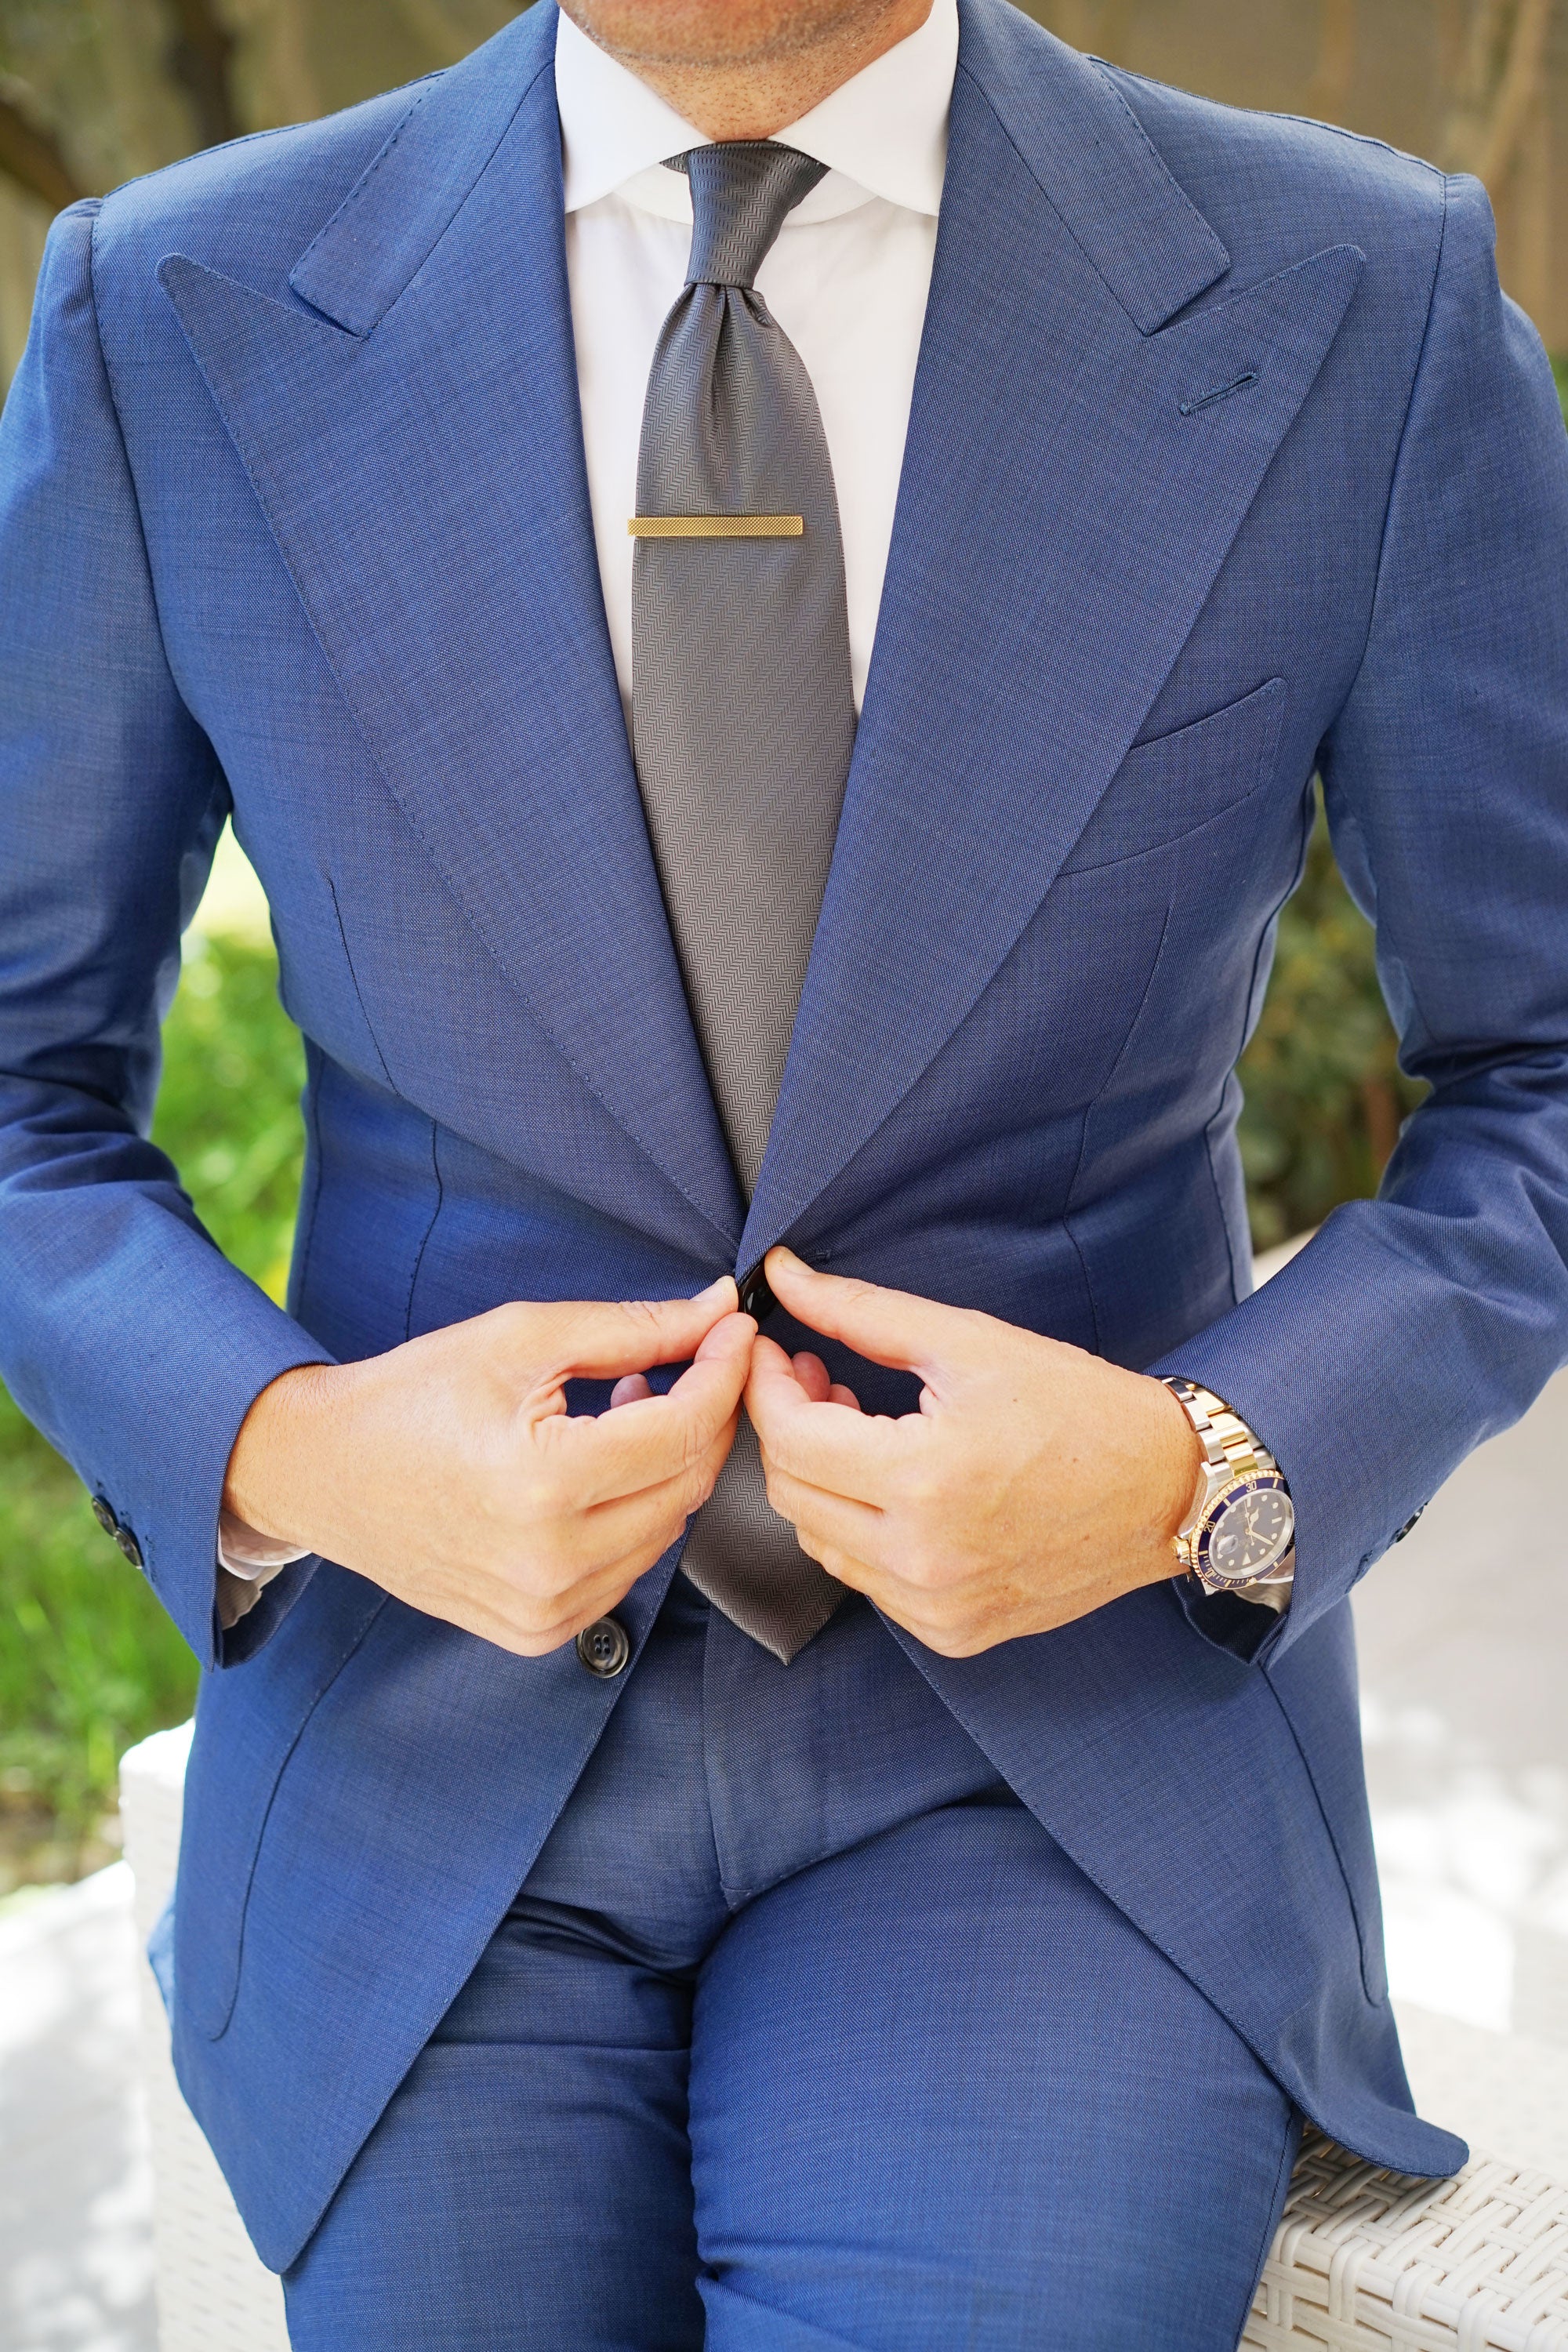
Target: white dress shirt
x=846 y=279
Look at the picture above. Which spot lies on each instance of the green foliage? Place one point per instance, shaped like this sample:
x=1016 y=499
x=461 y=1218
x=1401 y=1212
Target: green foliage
x=89 y=1662
x=1325 y=1094
x=228 y=1112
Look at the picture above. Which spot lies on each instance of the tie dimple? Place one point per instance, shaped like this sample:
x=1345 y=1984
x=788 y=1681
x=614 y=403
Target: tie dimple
x=742 y=192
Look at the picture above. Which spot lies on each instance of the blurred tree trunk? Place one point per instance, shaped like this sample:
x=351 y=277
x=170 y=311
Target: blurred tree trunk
x=1381 y=1111
x=30 y=155
x=1102 y=28
x=201 y=56
x=1496 y=49
x=280 y=77
x=431 y=24
x=1334 y=77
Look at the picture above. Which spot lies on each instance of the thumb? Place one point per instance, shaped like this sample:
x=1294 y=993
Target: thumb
x=887 y=1326
x=605 y=1339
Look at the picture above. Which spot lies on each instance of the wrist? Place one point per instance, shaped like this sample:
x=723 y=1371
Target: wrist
x=1176 y=1465
x=270 y=1482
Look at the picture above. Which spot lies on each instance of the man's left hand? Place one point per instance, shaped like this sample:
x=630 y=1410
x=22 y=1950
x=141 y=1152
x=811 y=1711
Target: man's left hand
x=1035 y=1483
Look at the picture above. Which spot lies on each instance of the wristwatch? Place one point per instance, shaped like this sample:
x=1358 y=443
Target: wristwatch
x=1241 y=1532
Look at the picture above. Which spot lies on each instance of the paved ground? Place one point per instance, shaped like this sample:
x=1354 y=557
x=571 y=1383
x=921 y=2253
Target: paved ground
x=1464 y=1652
x=1464 y=1635
x=75 y=2260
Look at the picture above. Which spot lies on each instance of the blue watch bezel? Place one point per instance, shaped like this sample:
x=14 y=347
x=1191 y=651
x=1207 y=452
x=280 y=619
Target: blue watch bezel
x=1257 y=1482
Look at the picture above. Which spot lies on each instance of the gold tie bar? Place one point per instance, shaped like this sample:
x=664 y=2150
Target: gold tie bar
x=716 y=526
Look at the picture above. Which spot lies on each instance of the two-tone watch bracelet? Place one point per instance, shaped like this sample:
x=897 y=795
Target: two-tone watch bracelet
x=1231 y=1452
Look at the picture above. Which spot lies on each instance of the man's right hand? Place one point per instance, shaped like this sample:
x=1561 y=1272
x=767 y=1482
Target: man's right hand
x=449 y=1472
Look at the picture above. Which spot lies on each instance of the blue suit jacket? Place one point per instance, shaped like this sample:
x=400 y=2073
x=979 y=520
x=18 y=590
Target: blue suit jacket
x=1227 y=461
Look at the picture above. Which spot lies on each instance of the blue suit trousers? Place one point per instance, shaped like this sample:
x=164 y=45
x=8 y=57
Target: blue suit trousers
x=802 y=2033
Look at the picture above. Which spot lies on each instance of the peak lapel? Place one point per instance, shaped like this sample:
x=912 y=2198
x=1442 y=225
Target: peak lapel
x=1060 y=522
x=419 y=462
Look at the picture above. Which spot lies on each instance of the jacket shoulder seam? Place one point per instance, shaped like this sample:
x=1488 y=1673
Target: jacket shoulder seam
x=280 y=131
x=1275 y=114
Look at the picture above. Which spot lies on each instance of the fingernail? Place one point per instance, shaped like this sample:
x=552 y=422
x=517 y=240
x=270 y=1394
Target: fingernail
x=699 y=1297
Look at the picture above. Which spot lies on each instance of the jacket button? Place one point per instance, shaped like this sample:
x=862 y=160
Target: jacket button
x=756 y=1299
x=103 y=1512
x=604 y=1648
x=129 y=1545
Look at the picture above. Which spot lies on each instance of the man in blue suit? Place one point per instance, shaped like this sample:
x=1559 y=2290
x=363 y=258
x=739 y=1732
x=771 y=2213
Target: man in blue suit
x=765 y=582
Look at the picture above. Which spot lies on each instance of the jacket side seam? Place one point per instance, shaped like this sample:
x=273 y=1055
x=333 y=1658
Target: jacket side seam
x=424 y=1237
x=359 y=993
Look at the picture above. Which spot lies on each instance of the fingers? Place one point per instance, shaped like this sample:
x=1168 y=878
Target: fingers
x=635 y=1386
x=649 y=1439
x=891 y=1327
x=598 y=1339
x=731 y=1331
x=823 y=1520
x=632 y=1387
x=842 y=1451
x=648 y=1522
x=616 y=1541
x=530 y=1632
x=812 y=1373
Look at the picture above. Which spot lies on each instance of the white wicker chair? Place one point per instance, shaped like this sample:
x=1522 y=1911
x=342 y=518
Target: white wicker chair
x=1364 y=2261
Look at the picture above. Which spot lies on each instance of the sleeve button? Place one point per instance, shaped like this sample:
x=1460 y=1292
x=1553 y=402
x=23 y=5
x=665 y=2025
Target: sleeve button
x=103 y=1512
x=129 y=1545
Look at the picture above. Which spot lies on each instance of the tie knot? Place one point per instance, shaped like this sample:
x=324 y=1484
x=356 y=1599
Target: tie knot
x=742 y=190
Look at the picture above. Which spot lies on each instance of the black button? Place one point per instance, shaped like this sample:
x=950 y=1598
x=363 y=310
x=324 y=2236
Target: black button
x=1409 y=1523
x=129 y=1545
x=103 y=1512
x=604 y=1648
x=756 y=1299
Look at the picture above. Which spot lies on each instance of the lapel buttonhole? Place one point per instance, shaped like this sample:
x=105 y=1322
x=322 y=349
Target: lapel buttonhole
x=1220 y=392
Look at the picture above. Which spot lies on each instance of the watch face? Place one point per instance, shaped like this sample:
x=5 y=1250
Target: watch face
x=1250 y=1534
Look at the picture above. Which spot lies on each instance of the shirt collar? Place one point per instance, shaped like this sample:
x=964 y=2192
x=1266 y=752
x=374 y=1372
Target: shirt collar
x=881 y=133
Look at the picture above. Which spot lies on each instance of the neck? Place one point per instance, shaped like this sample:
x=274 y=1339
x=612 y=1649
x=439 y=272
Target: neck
x=744 y=69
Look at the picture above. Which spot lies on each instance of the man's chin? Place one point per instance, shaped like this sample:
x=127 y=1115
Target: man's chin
x=694 y=35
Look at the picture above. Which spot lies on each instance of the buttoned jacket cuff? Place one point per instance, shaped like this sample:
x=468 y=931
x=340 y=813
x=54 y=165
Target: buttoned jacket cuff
x=157 y=1460
x=1312 y=1363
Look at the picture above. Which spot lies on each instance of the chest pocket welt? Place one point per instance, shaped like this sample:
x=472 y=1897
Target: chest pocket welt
x=1176 y=782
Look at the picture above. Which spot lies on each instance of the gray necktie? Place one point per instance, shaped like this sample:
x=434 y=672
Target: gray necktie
x=743 y=719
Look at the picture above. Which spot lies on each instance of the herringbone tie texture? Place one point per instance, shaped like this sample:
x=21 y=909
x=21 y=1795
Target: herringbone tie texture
x=743 y=719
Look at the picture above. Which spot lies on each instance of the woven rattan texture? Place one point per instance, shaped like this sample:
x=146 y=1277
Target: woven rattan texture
x=1369 y=2262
